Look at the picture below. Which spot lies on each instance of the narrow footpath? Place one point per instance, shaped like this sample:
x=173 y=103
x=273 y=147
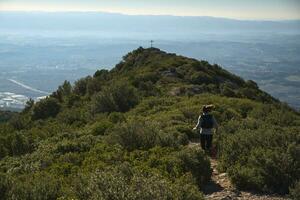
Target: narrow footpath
x=220 y=187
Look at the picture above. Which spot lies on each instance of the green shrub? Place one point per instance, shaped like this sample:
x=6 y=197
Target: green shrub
x=75 y=116
x=268 y=165
x=82 y=144
x=46 y=108
x=118 y=97
x=100 y=127
x=63 y=91
x=116 y=117
x=94 y=85
x=103 y=155
x=197 y=163
x=37 y=187
x=18 y=144
x=124 y=95
x=119 y=184
x=5 y=186
x=226 y=90
x=80 y=86
x=187 y=130
x=73 y=99
x=103 y=102
x=7 y=115
x=20 y=122
x=174 y=163
x=137 y=134
x=295 y=191
x=201 y=78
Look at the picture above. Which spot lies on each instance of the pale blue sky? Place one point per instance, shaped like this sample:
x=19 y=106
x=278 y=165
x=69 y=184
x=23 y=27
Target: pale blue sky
x=239 y=9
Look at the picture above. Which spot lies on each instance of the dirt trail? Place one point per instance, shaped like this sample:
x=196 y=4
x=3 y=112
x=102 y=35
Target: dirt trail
x=220 y=187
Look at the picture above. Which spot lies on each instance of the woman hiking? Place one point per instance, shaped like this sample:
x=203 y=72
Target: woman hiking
x=206 y=123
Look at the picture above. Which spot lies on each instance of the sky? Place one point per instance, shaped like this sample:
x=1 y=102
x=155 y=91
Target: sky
x=237 y=9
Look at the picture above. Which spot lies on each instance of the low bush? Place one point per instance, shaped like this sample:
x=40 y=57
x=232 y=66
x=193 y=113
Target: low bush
x=136 y=134
x=267 y=165
x=119 y=184
x=39 y=186
x=119 y=97
x=116 y=117
x=197 y=163
x=5 y=185
x=173 y=163
x=295 y=191
x=99 y=128
x=46 y=108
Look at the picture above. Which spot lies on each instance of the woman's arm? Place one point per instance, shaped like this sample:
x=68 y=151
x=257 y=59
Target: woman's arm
x=198 y=123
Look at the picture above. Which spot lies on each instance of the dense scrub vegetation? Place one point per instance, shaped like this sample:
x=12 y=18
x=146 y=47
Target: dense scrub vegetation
x=6 y=115
x=123 y=134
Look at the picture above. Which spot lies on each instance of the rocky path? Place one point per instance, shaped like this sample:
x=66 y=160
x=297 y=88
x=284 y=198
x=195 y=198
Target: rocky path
x=220 y=187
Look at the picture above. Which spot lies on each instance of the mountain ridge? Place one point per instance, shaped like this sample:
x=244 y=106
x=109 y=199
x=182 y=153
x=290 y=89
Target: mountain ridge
x=155 y=15
x=96 y=21
x=187 y=71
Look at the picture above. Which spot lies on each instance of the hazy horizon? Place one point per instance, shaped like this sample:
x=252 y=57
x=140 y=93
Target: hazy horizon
x=250 y=10
x=39 y=50
x=144 y=15
x=119 y=23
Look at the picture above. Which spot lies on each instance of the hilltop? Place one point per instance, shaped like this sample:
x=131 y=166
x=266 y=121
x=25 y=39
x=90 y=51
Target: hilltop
x=124 y=134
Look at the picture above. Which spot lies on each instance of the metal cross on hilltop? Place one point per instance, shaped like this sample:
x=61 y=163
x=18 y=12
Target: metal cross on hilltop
x=151 y=42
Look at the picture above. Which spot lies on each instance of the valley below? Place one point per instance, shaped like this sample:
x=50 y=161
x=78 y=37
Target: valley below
x=42 y=63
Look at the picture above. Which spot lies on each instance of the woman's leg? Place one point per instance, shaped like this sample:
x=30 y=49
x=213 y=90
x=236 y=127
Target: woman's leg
x=202 y=141
x=209 y=141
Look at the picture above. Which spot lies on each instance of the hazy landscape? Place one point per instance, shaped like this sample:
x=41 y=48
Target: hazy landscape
x=39 y=51
x=140 y=107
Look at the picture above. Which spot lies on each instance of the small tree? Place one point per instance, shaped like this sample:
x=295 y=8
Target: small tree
x=66 y=88
x=63 y=90
x=29 y=104
x=119 y=97
x=80 y=87
x=46 y=108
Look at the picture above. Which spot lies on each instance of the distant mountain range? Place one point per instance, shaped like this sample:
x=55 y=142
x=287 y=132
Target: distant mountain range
x=135 y=24
x=42 y=49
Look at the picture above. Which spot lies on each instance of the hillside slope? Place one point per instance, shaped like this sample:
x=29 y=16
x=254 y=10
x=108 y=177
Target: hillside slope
x=123 y=134
x=6 y=115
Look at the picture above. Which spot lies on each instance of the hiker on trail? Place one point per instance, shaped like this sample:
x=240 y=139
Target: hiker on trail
x=206 y=123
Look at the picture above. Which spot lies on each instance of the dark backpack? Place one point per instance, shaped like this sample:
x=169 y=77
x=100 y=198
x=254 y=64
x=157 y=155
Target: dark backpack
x=207 y=121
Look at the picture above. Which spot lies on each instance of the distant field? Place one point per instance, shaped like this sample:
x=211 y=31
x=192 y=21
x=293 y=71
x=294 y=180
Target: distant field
x=293 y=78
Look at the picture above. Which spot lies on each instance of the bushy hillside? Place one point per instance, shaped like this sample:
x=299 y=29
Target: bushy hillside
x=123 y=134
x=6 y=115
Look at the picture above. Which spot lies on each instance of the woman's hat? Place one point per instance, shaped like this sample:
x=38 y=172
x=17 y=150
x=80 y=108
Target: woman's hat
x=208 y=108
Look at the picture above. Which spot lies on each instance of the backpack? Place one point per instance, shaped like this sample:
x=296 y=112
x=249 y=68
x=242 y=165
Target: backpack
x=207 y=121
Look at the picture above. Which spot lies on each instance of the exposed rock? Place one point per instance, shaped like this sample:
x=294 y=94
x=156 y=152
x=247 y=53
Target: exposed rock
x=170 y=73
x=177 y=91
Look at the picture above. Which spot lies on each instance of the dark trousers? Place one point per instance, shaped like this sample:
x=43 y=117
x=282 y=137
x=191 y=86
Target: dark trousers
x=206 y=141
